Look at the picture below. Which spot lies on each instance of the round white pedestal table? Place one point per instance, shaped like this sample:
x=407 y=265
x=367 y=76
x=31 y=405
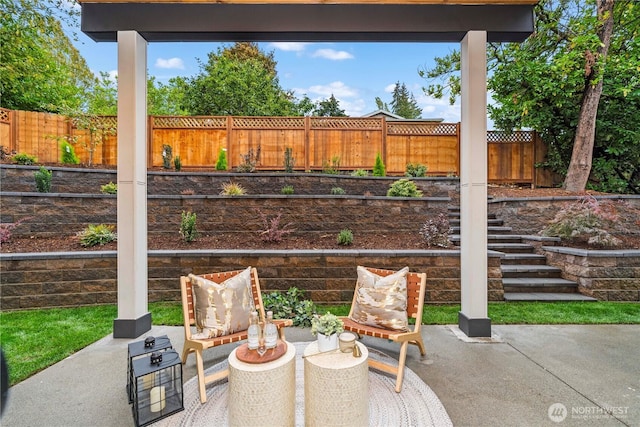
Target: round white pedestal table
x=336 y=388
x=262 y=394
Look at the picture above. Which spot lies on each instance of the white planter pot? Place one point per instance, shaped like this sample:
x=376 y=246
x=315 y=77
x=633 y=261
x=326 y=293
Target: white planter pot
x=327 y=343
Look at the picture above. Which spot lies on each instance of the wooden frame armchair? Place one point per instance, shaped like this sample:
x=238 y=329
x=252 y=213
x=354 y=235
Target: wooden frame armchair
x=416 y=287
x=197 y=346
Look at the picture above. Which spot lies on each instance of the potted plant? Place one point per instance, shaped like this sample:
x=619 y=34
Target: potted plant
x=326 y=328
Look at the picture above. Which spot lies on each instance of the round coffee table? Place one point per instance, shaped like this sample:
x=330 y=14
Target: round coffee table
x=263 y=393
x=336 y=388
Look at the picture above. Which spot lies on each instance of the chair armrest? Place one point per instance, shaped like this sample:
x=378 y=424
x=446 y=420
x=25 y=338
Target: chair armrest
x=281 y=324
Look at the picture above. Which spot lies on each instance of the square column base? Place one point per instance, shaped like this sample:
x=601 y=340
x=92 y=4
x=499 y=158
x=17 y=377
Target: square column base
x=474 y=327
x=131 y=328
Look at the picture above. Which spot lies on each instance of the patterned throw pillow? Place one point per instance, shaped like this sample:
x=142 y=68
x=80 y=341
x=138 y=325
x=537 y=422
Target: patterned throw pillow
x=381 y=301
x=222 y=308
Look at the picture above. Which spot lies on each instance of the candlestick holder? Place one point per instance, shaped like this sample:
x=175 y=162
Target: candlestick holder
x=157 y=388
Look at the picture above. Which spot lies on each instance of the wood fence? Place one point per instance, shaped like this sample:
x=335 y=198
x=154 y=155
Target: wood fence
x=345 y=143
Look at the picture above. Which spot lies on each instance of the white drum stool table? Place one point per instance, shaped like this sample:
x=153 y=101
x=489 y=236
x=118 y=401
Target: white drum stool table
x=262 y=394
x=336 y=388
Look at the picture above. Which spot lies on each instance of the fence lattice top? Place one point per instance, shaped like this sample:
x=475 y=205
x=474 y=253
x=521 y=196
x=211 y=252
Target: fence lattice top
x=346 y=123
x=268 y=122
x=515 y=137
x=189 y=122
x=414 y=128
x=5 y=116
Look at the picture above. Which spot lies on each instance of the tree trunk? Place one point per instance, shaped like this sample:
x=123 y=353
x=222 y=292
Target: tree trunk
x=582 y=155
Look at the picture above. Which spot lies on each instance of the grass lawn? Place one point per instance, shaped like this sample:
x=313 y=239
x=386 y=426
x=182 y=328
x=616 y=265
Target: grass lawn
x=35 y=339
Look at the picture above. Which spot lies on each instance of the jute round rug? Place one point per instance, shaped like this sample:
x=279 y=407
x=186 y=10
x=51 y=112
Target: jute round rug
x=417 y=405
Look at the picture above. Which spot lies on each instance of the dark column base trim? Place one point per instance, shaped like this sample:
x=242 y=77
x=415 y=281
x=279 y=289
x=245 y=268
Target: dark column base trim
x=474 y=327
x=131 y=328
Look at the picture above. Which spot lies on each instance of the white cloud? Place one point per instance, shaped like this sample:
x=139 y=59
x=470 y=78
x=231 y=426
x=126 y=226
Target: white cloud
x=113 y=75
x=173 y=63
x=355 y=108
x=337 y=89
x=390 y=88
x=334 y=55
x=289 y=46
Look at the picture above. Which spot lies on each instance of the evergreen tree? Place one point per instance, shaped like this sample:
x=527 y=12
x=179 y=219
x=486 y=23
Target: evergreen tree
x=329 y=108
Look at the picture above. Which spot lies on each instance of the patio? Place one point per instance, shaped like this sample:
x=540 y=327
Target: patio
x=591 y=370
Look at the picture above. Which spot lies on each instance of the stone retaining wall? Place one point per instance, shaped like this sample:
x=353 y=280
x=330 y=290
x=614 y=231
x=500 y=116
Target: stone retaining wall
x=90 y=278
x=605 y=275
x=16 y=178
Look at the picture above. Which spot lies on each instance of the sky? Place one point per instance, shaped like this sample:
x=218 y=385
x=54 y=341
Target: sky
x=355 y=73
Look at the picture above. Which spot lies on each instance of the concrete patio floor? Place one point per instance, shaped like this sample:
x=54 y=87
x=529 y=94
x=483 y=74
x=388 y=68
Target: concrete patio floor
x=510 y=380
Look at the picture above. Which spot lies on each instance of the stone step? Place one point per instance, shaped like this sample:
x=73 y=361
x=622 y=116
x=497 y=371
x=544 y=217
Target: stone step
x=492 y=229
x=519 y=259
x=495 y=222
x=547 y=297
x=522 y=248
x=538 y=285
x=456 y=214
x=530 y=270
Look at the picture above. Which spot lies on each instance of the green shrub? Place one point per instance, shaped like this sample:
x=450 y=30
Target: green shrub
x=345 y=237
x=360 y=172
x=43 y=180
x=287 y=189
x=24 y=159
x=188 y=229
x=337 y=191
x=232 y=189
x=68 y=154
x=378 y=167
x=177 y=163
x=100 y=234
x=221 y=163
x=290 y=305
x=167 y=155
x=404 y=188
x=416 y=170
x=109 y=188
x=289 y=161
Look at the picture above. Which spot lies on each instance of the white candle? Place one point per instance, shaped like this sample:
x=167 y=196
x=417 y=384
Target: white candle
x=157 y=399
x=147 y=381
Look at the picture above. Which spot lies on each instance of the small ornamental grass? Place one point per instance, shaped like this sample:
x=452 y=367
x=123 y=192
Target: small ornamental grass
x=436 y=231
x=232 y=189
x=287 y=189
x=338 y=191
x=360 y=172
x=94 y=235
x=188 y=229
x=326 y=324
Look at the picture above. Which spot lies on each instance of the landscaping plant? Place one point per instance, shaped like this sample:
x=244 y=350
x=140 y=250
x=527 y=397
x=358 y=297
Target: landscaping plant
x=287 y=189
x=177 y=163
x=100 y=234
x=337 y=191
x=221 y=163
x=68 y=156
x=167 y=155
x=289 y=161
x=273 y=231
x=378 y=167
x=360 y=172
x=249 y=161
x=24 y=159
x=290 y=305
x=7 y=228
x=436 y=231
x=404 y=188
x=415 y=170
x=345 y=237
x=232 y=189
x=43 y=180
x=109 y=188
x=188 y=229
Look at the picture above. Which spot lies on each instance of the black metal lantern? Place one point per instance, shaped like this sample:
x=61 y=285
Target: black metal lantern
x=142 y=348
x=157 y=388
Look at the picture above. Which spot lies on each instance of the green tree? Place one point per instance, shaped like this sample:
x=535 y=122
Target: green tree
x=403 y=103
x=40 y=69
x=329 y=108
x=231 y=85
x=551 y=83
x=166 y=99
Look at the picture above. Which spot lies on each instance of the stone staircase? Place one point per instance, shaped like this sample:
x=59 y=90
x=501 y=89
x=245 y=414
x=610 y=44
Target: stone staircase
x=525 y=274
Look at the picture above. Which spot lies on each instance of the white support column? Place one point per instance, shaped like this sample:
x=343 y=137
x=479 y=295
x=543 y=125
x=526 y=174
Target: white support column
x=473 y=319
x=134 y=318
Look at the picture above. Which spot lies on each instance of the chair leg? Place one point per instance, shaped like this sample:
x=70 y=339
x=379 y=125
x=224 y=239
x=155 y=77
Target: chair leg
x=185 y=353
x=200 y=368
x=420 y=345
x=401 y=363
